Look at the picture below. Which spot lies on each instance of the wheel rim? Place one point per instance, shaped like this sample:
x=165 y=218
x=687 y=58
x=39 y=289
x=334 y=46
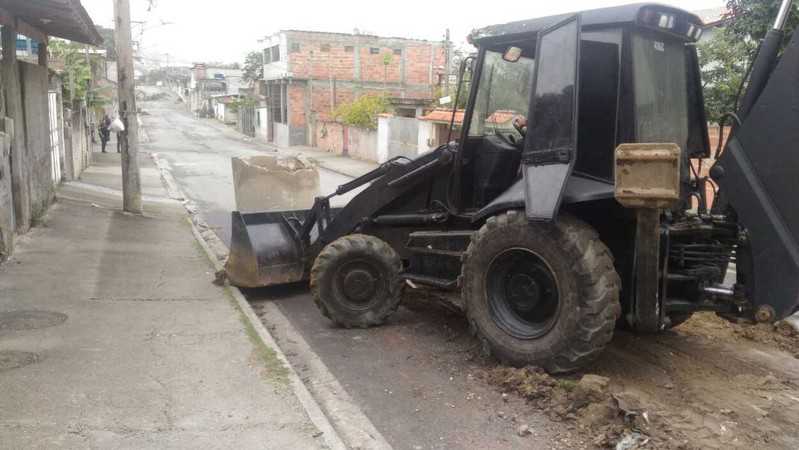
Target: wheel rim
x=522 y=293
x=360 y=284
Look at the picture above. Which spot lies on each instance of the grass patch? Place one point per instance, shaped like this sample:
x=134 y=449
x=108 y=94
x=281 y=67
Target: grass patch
x=276 y=371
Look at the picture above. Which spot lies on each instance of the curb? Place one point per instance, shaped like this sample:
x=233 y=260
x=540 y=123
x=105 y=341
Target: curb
x=312 y=409
x=301 y=392
x=358 y=430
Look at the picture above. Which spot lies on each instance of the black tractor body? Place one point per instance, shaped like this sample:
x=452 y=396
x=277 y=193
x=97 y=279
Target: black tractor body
x=556 y=228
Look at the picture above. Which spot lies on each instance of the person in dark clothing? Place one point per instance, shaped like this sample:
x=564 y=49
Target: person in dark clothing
x=105 y=132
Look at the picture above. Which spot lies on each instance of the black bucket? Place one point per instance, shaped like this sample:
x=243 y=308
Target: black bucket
x=264 y=249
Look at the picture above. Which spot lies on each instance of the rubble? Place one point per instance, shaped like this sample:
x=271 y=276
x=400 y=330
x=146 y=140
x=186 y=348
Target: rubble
x=274 y=182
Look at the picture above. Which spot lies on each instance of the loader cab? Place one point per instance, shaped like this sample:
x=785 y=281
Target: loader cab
x=585 y=83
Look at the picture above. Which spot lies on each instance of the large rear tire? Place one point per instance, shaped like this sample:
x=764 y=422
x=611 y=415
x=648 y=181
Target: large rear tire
x=355 y=281
x=540 y=294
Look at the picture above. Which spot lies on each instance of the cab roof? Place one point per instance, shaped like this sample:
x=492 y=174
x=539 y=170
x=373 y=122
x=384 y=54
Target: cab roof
x=593 y=18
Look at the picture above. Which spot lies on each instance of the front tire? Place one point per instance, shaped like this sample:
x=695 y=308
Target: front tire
x=540 y=294
x=355 y=281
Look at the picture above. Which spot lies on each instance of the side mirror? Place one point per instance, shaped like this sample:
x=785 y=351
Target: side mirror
x=512 y=54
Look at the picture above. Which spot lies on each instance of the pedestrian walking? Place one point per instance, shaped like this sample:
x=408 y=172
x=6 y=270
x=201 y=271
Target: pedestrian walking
x=105 y=131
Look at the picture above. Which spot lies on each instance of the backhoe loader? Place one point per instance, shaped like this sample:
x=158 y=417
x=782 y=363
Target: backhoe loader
x=586 y=212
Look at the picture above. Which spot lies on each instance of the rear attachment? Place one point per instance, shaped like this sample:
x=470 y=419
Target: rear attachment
x=757 y=178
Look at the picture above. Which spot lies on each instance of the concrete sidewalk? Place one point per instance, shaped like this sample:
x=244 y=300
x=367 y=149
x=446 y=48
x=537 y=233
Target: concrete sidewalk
x=112 y=336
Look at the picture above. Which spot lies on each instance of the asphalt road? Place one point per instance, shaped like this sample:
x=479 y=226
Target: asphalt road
x=199 y=152
x=418 y=378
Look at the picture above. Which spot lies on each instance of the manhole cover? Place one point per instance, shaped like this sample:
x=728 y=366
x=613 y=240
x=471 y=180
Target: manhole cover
x=10 y=359
x=30 y=320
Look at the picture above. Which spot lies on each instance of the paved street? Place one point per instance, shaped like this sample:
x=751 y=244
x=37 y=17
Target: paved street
x=416 y=378
x=198 y=152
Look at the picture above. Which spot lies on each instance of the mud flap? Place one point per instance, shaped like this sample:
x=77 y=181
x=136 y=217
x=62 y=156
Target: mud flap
x=757 y=174
x=551 y=142
x=264 y=249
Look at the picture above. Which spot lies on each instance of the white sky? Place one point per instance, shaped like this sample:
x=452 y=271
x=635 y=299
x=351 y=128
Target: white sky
x=226 y=30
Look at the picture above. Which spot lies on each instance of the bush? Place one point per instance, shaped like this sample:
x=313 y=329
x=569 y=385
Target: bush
x=362 y=112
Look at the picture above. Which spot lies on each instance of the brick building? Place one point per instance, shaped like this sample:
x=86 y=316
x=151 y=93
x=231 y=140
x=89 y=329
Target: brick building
x=307 y=74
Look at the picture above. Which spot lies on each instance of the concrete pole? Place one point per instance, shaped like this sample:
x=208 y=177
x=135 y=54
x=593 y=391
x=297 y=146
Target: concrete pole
x=129 y=139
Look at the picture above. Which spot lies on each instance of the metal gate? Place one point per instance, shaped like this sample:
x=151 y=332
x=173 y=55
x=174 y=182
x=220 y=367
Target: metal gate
x=247 y=120
x=56 y=146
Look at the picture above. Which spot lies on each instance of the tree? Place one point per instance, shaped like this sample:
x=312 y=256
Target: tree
x=253 y=66
x=77 y=72
x=724 y=58
x=751 y=19
x=363 y=111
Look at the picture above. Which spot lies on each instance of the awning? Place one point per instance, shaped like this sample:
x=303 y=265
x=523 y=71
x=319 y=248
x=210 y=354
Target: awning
x=65 y=19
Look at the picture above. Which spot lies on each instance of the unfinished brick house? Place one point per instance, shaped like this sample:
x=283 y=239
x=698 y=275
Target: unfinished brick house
x=307 y=74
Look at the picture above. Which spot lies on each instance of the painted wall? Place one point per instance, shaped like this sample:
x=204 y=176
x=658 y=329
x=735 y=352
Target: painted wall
x=35 y=85
x=360 y=143
x=281 y=135
x=427 y=136
x=397 y=136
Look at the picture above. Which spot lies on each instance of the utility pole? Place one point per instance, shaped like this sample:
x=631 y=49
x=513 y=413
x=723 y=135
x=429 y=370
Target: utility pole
x=448 y=64
x=129 y=139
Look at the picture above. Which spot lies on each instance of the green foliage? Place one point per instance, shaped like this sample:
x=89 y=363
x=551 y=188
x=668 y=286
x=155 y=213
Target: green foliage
x=77 y=74
x=253 y=66
x=751 y=19
x=725 y=57
x=723 y=60
x=362 y=112
x=242 y=102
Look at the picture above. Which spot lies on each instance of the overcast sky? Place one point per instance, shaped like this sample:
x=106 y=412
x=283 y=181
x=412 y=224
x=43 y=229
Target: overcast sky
x=226 y=30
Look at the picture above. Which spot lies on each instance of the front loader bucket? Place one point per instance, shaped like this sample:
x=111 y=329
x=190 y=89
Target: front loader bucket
x=264 y=250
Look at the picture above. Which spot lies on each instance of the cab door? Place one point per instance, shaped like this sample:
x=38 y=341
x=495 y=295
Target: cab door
x=550 y=147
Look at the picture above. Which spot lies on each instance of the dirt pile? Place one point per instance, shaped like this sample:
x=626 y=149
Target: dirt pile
x=709 y=325
x=620 y=420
